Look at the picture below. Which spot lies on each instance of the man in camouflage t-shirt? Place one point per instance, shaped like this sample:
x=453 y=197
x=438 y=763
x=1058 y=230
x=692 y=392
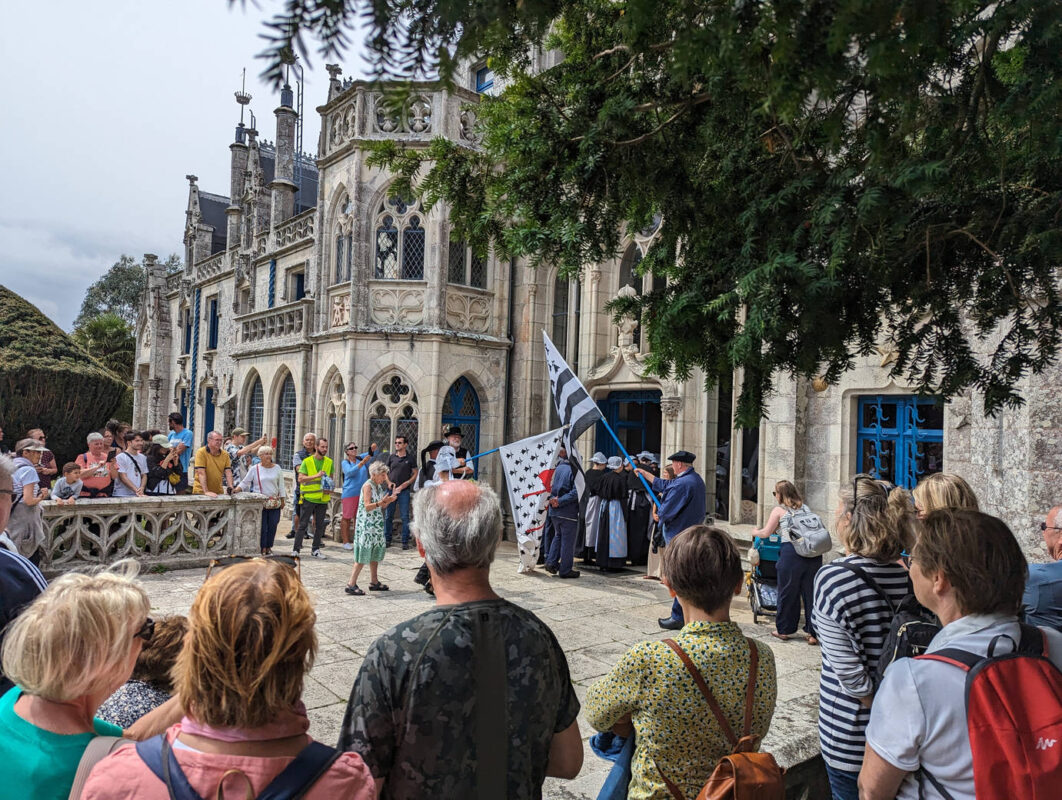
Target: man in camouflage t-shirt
x=472 y=699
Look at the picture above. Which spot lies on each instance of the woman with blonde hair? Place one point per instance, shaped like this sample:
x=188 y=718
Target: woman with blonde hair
x=66 y=654
x=943 y=490
x=796 y=573
x=853 y=608
x=240 y=676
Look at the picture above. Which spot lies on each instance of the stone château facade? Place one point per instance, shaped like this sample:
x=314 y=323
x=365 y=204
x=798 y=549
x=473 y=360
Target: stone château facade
x=313 y=298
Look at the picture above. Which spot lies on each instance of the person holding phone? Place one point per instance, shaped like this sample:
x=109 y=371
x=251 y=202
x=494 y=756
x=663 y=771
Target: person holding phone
x=369 y=541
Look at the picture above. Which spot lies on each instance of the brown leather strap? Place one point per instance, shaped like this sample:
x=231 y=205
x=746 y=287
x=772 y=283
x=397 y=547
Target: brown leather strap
x=675 y=791
x=728 y=732
x=750 y=692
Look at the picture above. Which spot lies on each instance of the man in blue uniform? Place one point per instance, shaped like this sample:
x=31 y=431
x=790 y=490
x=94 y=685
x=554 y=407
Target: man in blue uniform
x=564 y=516
x=683 y=505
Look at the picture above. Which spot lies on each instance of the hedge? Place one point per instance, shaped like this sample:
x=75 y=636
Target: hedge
x=48 y=381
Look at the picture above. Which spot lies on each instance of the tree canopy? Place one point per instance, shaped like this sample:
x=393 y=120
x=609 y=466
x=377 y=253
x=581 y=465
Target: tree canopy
x=118 y=290
x=111 y=340
x=831 y=174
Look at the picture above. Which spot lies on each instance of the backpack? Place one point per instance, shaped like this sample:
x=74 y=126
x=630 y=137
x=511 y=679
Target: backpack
x=1014 y=717
x=293 y=782
x=744 y=774
x=807 y=533
x=912 y=628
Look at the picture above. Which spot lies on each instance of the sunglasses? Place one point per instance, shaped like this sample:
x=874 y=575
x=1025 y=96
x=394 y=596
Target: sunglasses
x=1045 y=527
x=349 y=449
x=147 y=630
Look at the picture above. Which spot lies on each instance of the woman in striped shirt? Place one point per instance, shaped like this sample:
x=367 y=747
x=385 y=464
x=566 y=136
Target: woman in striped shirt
x=852 y=620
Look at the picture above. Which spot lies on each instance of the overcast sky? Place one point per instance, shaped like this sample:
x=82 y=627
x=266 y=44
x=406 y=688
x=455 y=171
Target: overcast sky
x=106 y=107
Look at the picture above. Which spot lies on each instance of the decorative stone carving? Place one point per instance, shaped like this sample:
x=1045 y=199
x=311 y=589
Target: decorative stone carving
x=888 y=353
x=819 y=384
x=418 y=114
x=394 y=306
x=467 y=312
x=467 y=126
x=340 y=316
x=385 y=118
x=670 y=407
x=960 y=411
x=297 y=229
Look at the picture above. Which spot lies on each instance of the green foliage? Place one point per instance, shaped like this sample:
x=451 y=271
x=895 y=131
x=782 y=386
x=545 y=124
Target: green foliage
x=111 y=340
x=47 y=381
x=118 y=290
x=831 y=174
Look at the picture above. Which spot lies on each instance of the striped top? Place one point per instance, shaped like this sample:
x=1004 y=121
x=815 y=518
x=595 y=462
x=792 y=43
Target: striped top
x=851 y=621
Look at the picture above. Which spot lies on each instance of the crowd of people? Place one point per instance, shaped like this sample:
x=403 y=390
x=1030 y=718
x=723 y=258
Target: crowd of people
x=473 y=697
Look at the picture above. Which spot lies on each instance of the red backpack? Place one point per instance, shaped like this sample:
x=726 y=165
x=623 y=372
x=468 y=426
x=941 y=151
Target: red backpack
x=1014 y=717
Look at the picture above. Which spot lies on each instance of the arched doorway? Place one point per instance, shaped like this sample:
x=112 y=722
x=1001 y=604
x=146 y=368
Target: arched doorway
x=461 y=407
x=635 y=417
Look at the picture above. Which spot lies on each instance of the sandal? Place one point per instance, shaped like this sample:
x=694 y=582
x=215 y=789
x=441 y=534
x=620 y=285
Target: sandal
x=813 y=641
x=354 y=590
x=783 y=636
x=379 y=587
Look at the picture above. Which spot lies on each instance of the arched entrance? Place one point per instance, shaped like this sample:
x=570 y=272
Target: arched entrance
x=461 y=407
x=635 y=417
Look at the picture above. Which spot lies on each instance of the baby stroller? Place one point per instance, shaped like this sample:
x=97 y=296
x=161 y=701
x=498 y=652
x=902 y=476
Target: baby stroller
x=762 y=578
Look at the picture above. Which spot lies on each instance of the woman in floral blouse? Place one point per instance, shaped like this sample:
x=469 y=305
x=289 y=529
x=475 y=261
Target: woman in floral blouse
x=369 y=541
x=650 y=688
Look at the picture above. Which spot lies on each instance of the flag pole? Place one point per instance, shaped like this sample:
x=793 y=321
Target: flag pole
x=480 y=455
x=619 y=444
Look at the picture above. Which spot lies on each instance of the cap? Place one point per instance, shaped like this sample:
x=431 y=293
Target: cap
x=160 y=439
x=239 y=432
x=445 y=463
x=29 y=444
x=445 y=450
x=683 y=456
x=615 y=462
x=599 y=458
x=653 y=458
x=645 y=455
x=453 y=430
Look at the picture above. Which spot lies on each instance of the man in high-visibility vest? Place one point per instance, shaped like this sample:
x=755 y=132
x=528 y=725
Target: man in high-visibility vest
x=314 y=468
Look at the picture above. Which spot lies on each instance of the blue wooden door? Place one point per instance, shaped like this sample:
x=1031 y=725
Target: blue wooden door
x=461 y=407
x=900 y=437
x=635 y=417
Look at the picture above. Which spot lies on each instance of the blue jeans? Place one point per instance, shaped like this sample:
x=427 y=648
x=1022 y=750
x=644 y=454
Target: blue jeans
x=562 y=549
x=796 y=582
x=389 y=516
x=676 y=607
x=270 y=519
x=844 y=785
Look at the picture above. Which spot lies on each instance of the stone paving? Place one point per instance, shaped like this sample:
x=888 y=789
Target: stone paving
x=596 y=619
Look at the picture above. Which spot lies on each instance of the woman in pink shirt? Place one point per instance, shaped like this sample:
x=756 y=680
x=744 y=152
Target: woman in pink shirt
x=240 y=675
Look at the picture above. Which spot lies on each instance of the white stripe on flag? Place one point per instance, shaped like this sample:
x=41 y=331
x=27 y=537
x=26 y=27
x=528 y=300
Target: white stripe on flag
x=575 y=407
x=524 y=462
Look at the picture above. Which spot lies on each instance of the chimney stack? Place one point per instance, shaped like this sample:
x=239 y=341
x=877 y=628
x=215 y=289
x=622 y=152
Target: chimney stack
x=283 y=185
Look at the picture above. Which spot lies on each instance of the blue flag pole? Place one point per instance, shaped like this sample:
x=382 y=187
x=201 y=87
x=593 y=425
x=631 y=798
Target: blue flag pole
x=480 y=455
x=626 y=455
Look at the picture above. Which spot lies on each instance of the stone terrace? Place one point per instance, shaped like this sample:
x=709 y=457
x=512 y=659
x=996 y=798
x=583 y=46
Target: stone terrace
x=596 y=619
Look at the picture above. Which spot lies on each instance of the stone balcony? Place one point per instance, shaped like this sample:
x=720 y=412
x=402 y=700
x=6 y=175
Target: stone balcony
x=173 y=532
x=297 y=230
x=278 y=327
x=363 y=112
x=209 y=268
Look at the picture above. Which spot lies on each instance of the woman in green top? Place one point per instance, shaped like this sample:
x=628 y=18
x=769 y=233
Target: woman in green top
x=650 y=692
x=369 y=541
x=67 y=653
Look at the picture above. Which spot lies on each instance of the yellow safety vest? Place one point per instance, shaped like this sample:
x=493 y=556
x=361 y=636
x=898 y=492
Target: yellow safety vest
x=311 y=492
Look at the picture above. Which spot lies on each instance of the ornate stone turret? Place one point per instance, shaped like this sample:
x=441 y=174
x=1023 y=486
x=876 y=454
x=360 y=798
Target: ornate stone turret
x=196 y=233
x=237 y=175
x=283 y=186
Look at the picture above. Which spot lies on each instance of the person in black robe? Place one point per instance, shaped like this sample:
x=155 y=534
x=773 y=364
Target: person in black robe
x=639 y=516
x=590 y=508
x=611 y=550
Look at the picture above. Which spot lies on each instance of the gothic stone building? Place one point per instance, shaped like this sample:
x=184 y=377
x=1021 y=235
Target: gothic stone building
x=315 y=299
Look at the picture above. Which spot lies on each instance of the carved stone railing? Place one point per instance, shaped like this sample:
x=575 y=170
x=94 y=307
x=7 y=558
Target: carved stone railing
x=297 y=229
x=468 y=310
x=211 y=267
x=396 y=303
x=261 y=244
x=173 y=282
x=274 y=326
x=169 y=531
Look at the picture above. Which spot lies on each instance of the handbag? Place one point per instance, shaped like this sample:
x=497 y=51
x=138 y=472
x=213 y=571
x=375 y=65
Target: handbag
x=807 y=533
x=273 y=501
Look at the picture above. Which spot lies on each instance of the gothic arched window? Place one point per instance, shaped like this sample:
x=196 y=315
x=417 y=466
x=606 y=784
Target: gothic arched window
x=337 y=423
x=400 y=240
x=465 y=267
x=343 y=238
x=256 y=411
x=286 y=423
x=393 y=412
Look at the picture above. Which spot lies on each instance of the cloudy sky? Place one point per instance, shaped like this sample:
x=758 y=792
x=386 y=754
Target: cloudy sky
x=107 y=106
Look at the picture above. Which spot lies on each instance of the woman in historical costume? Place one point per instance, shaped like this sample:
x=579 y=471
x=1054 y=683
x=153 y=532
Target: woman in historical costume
x=611 y=551
x=590 y=512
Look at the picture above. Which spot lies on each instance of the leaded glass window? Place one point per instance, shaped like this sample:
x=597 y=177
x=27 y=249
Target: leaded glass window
x=400 y=241
x=286 y=423
x=465 y=267
x=393 y=412
x=256 y=411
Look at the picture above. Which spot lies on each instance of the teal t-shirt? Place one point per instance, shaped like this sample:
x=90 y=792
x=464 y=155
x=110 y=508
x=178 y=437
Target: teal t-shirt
x=38 y=763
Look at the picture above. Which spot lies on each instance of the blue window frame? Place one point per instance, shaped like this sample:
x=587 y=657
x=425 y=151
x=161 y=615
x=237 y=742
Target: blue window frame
x=900 y=437
x=484 y=79
x=461 y=407
x=212 y=311
x=208 y=414
x=299 y=289
x=635 y=417
x=184 y=406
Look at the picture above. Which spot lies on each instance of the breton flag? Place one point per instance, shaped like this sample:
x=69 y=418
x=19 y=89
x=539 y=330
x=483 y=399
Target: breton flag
x=576 y=409
x=528 y=466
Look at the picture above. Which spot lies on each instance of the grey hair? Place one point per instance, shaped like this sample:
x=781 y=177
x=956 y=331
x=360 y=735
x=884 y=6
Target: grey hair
x=450 y=542
x=95 y=436
x=8 y=466
x=376 y=467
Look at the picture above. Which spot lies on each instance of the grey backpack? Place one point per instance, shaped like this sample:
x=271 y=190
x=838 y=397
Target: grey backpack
x=807 y=533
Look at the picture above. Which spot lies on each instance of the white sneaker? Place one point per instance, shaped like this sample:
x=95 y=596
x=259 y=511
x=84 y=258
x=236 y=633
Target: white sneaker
x=348 y=546
x=294 y=553
x=318 y=554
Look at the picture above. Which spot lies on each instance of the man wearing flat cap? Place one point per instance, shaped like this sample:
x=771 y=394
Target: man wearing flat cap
x=682 y=507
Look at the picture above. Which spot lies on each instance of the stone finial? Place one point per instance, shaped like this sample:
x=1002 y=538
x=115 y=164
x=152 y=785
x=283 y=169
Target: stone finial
x=191 y=179
x=149 y=260
x=335 y=86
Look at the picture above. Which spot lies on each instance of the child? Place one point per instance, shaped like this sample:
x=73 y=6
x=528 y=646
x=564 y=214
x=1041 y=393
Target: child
x=68 y=487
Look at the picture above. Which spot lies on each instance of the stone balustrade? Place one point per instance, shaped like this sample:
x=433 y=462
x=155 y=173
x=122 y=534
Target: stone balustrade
x=174 y=532
x=297 y=229
x=271 y=327
x=361 y=112
x=173 y=282
x=210 y=268
x=261 y=244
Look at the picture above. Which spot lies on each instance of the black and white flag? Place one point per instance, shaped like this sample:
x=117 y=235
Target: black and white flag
x=526 y=463
x=575 y=408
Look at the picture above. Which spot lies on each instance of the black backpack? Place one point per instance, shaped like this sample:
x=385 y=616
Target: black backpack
x=911 y=631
